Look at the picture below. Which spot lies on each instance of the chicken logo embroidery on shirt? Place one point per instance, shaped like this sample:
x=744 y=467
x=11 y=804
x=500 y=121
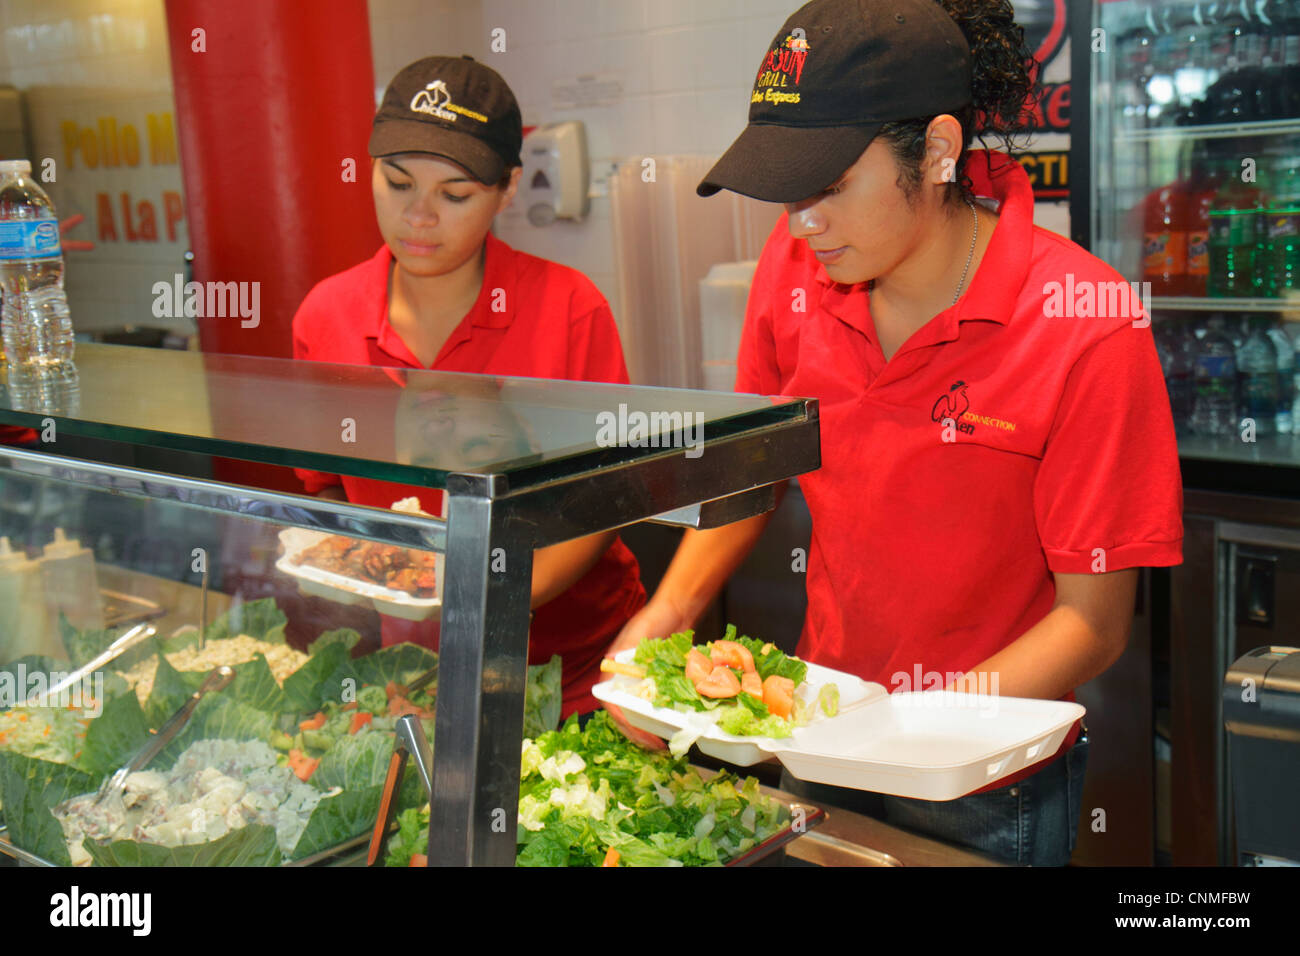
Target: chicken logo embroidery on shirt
x=953 y=407
x=952 y=404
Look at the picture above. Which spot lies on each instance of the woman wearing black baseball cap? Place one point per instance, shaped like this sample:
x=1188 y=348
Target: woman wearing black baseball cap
x=998 y=455
x=444 y=293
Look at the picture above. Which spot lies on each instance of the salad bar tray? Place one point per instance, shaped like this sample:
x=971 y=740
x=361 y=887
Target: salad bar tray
x=353 y=852
x=333 y=856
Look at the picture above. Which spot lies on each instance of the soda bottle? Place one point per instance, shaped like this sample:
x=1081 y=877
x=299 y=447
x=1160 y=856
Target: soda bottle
x=1286 y=394
x=1164 y=240
x=1234 y=222
x=34 y=317
x=1199 y=197
x=1214 y=411
x=1279 y=246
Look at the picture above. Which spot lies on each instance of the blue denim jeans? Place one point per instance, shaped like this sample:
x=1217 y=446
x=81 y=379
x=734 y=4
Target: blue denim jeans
x=1033 y=822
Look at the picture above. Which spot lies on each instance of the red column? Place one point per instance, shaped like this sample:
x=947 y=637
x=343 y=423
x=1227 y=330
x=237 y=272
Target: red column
x=272 y=97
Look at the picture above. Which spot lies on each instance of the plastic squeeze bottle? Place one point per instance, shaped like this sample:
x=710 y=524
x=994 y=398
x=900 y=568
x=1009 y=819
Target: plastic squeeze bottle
x=71 y=585
x=24 y=623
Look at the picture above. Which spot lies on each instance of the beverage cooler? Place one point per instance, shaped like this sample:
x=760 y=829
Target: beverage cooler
x=1186 y=146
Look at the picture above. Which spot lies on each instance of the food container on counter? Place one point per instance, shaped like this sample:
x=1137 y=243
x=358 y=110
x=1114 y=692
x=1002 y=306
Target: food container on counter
x=342 y=589
x=930 y=745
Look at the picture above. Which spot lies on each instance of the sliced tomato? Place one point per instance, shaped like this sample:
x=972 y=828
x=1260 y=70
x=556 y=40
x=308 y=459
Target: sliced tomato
x=778 y=694
x=732 y=654
x=721 y=682
x=697 y=666
x=751 y=685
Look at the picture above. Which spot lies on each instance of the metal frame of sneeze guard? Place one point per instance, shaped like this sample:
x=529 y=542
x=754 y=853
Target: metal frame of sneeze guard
x=489 y=537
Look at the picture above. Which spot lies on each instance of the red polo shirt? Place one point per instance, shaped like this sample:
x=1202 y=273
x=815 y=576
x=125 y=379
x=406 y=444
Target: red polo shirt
x=555 y=325
x=933 y=546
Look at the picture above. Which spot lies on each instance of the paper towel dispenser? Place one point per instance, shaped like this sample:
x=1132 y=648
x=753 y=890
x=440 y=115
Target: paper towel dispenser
x=556 y=173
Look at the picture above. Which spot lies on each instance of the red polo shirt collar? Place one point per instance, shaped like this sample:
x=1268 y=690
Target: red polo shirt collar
x=991 y=294
x=498 y=285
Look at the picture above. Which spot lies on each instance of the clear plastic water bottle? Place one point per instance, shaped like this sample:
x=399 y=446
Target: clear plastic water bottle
x=1215 y=408
x=35 y=323
x=1285 y=378
x=1176 y=347
x=1295 y=381
x=1257 y=372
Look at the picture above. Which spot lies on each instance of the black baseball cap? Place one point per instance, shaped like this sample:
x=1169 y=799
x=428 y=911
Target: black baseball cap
x=834 y=75
x=453 y=107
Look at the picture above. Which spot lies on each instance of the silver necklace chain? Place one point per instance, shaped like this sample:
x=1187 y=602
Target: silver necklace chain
x=969 y=255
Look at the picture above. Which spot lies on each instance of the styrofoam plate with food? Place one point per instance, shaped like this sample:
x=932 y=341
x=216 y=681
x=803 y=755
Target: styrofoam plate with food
x=345 y=589
x=622 y=691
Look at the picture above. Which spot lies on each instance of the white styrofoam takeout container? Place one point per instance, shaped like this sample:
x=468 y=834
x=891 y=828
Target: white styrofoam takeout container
x=345 y=590
x=930 y=745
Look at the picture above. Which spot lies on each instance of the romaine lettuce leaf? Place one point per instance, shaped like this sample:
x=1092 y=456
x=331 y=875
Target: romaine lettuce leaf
x=113 y=736
x=252 y=845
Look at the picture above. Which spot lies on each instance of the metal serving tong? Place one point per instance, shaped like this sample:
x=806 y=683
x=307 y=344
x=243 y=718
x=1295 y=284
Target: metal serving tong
x=130 y=639
x=218 y=679
x=410 y=739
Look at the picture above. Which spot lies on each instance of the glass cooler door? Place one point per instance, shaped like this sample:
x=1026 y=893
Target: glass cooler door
x=1196 y=196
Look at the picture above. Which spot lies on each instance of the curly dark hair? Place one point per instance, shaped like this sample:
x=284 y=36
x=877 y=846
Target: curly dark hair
x=1003 y=80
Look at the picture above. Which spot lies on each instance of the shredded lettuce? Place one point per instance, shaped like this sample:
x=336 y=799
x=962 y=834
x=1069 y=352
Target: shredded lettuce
x=583 y=791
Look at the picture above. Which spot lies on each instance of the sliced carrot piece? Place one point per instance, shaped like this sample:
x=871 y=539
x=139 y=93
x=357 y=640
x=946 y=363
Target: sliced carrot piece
x=302 y=766
x=778 y=694
x=611 y=857
x=315 y=723
x=359 y=720
x=721 y=682
x=419 y=859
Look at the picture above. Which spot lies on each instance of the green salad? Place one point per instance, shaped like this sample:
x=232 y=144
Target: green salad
x=747 y=687
x=590 y=797
x=330 y=722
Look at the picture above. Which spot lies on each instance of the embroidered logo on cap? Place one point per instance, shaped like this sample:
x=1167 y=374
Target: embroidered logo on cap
x=435 y=99
x=781 y=69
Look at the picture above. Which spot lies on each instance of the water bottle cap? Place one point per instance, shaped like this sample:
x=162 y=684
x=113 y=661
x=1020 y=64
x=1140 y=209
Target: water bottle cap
x=18 y=166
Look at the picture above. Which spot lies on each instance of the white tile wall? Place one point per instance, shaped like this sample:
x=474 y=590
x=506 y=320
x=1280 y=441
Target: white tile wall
x=685 y=67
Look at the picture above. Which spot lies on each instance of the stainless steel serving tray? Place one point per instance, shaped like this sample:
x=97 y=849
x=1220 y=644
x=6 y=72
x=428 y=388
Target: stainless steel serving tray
x=353 y=852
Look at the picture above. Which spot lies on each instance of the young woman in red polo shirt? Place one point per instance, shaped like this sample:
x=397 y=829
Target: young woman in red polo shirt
x=996 y=463
x=443 y=293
